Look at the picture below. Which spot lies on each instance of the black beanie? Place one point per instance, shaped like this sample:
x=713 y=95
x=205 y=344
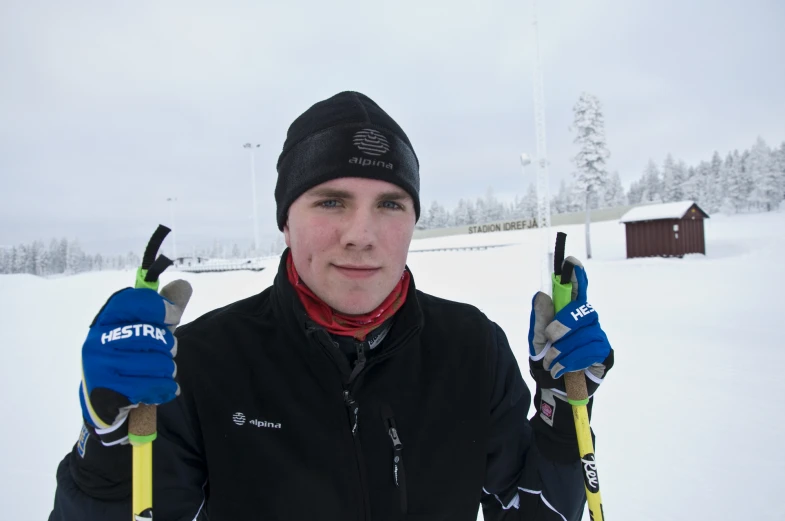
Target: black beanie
x=347 y=135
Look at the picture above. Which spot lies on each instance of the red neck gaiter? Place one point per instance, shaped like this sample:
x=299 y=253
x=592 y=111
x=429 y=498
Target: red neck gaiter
x=357 y=326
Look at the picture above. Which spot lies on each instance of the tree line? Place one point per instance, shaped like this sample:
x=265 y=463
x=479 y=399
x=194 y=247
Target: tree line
x=61 y=257
x=747 y=181
x=752 y=180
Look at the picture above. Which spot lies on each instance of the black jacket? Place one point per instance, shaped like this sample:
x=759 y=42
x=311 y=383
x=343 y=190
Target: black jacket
x=275 y=423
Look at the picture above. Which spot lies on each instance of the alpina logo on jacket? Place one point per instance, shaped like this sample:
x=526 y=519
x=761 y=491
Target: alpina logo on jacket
x=269 y=425
x=121 y=333
x=239 y=419
x=372 y=143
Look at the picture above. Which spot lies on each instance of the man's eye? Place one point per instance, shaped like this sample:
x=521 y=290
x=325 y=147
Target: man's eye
x=332 y=203
x=392 y=205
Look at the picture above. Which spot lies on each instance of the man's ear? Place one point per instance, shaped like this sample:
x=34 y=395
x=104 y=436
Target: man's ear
x=286 y=234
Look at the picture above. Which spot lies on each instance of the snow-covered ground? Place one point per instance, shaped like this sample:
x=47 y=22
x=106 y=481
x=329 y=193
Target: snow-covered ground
x=688 y=423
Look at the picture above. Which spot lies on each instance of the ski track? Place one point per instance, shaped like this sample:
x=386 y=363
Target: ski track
x=687 y=424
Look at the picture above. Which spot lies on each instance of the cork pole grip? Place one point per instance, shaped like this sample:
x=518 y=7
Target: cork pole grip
x=142 y=420
x=576 y=386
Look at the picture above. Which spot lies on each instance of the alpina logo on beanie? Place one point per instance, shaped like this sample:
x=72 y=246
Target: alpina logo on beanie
x=371 y=142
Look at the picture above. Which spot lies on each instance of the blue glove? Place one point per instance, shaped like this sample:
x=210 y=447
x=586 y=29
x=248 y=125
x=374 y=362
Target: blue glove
x=572 y=339
x=128 y=357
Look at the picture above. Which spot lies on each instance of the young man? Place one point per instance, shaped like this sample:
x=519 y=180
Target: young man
x=341 y=392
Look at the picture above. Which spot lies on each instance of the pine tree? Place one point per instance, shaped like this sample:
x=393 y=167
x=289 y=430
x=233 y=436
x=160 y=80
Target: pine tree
x=461 y=213
x=593 y=153
x=481 y=211
x=529 y=203
x=614 y=192
x=766 y=193
x=779 y=167
x=74 y=257
x=635 y=195
x=727 y=180
x=695 y=187
x=561 y=200
x=42 y=262
x=652 y=184
x=494 y=210
x=714 y=192
x=471 y=211
x=21 y=259
x=438 y=216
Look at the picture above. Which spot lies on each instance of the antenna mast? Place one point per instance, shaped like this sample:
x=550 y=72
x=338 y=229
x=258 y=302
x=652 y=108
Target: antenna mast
x=543 y=183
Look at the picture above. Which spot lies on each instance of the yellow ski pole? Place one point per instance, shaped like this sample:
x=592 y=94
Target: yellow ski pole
x=577 y=395
x=142 y=429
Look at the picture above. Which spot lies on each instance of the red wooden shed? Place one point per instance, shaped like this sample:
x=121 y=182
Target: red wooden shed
x=665 y=230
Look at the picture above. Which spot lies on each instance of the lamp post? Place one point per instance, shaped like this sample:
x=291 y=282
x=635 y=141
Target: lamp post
x=547 y=259
x=171 y=201
x=251 y=148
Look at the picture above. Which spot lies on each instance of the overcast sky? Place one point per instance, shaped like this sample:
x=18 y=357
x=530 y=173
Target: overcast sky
x=108 y=108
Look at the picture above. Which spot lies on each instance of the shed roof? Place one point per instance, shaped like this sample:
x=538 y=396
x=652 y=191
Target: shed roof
x=654 y=212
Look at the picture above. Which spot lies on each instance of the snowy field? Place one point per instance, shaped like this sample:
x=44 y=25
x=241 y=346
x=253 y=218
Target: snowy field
x=689 y=423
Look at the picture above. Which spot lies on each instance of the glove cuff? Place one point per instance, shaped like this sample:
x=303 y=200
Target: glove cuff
x=554 y=425
x=101 y=472
x=116 y=434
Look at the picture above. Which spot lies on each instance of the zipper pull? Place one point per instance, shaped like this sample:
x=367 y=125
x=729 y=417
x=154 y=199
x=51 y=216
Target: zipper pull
x=397 y=445
x=360 y=348
x=397 y=449
x=354 y=411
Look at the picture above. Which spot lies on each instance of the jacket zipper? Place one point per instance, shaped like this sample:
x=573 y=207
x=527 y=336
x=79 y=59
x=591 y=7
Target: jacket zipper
x=399 y=472
x=353 y=409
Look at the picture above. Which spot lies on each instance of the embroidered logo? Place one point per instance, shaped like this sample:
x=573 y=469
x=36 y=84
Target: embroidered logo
x=547 y=410
x=371 y=142
x=240 y=419
x=81 y=445
x=262 y=423
x=547 y=406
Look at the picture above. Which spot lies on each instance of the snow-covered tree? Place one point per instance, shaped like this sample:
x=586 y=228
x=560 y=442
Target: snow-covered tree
x=494 y=210
x=766 y=193
x=561 y=200
x=672 y=180
x=591 y=159
x=779 y=167
x=471 y=211
x=652 y=184
x=438 y=216
x=714 y=188
x=635 y=194
x=527 y=207
x=460 y=215
x=614 y=192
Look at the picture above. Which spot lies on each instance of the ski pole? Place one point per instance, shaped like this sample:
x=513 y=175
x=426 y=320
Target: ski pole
x=142 y=419
x=577 y=395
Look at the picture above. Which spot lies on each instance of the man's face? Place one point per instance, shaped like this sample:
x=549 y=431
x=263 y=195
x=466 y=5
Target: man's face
x=349 y=239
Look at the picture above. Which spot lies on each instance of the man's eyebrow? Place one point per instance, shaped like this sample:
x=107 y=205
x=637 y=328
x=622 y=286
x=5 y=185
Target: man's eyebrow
x=332 y=193
x=394 y=195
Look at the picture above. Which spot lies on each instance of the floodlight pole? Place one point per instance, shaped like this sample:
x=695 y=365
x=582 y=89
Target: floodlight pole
x=172 y=201
x=251 y=149
x=543 y=178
